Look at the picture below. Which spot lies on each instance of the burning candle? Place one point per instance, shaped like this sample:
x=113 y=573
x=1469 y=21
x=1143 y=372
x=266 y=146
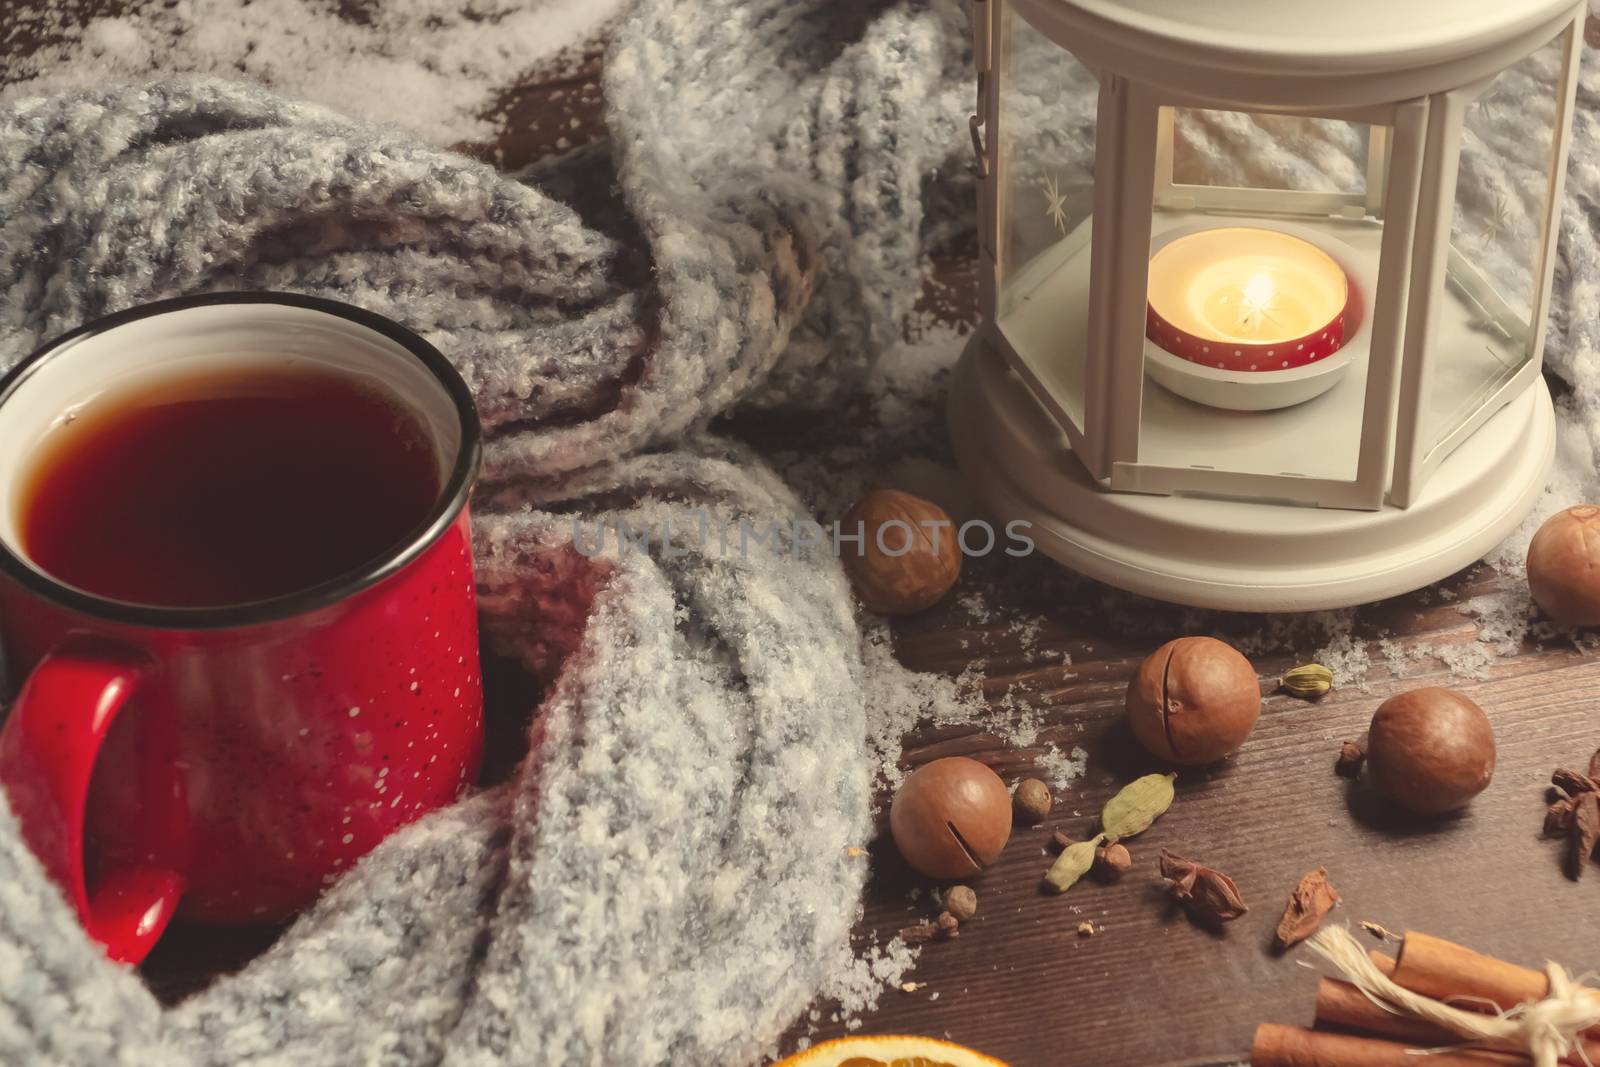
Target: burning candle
x=1244 y=298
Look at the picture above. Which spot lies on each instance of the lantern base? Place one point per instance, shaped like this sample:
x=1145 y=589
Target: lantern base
x=1242 y=555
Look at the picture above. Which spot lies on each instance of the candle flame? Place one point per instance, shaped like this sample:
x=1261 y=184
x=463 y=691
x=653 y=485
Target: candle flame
x=1258 y=299
x=1259 y=291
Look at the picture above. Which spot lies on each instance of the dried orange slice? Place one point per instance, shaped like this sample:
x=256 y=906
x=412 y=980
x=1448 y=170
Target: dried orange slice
x=889 y=1050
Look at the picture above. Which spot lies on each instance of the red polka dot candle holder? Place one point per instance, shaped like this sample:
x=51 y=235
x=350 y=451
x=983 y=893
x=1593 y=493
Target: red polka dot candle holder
x=1245 y=356
x=1248 y=299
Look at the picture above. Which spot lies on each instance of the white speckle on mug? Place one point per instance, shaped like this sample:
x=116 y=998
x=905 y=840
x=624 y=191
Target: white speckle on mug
x=304 y=731
x=347 y=838
x=383 y=772
x=354 y=712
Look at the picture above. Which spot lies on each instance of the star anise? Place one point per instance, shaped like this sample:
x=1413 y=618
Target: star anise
x=1574 y=813
x=1558 y=818
x=1209 y=896
x=1585 y=834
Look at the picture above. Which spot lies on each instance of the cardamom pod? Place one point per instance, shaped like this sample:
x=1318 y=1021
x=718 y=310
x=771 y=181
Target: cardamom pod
x=1073 y=863
x=1140 y=803
x=1308 y=680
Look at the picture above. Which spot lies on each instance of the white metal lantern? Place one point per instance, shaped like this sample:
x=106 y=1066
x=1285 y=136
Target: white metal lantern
x=1263 y=286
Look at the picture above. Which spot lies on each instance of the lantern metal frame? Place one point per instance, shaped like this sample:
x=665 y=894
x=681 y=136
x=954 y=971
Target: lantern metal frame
x=1414 y=510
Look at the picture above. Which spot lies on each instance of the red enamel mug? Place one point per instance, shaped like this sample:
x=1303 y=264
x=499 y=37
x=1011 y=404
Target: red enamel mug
x=226 y=763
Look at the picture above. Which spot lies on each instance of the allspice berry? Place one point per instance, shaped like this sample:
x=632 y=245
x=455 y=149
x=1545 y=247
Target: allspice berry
x=1564 y=566
x=1194 y=701
x=1111 y=862
x=1430 y=750
x=950 y=818
x=1032 y=800
x=961 y=901
x=909 y=554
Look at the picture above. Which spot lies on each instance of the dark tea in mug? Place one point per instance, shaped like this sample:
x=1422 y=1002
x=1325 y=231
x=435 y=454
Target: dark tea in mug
x=227 y=487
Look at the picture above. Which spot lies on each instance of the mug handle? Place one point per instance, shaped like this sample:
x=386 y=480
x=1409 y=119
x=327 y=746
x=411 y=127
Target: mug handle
x=48 y=748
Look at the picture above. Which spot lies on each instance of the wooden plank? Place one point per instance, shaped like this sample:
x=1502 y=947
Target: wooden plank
x=1149 y=988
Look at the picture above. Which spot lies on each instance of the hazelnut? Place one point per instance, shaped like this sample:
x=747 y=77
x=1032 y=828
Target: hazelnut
x=909 y=554
x=961 y=901
x=950 y=818
x=1430 y=750
x=1032 y=800
x=1564 y=566
x=1111 y=862
x=1194 y=701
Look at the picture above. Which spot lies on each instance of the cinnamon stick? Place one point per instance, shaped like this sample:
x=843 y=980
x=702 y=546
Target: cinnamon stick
x=1291 y=1046
x=1446 y=971
x=1342 y=1004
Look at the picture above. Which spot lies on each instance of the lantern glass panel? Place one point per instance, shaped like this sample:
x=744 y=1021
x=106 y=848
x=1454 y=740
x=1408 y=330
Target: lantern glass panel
x=1488 y=325
x=1235 y=176
x=1047 y=112
x=1259 y=151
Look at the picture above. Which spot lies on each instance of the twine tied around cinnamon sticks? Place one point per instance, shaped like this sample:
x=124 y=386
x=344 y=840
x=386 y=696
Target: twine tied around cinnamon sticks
x=1547 y=1030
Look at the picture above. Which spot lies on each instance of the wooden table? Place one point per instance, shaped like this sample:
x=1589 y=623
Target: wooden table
x=1148 y=987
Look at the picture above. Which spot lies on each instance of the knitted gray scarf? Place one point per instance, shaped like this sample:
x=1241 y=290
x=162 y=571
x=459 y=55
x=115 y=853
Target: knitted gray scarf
x=665 y=879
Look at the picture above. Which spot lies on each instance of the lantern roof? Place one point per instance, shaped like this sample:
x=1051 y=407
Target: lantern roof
x=1314 y=36
x=1311 y=56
